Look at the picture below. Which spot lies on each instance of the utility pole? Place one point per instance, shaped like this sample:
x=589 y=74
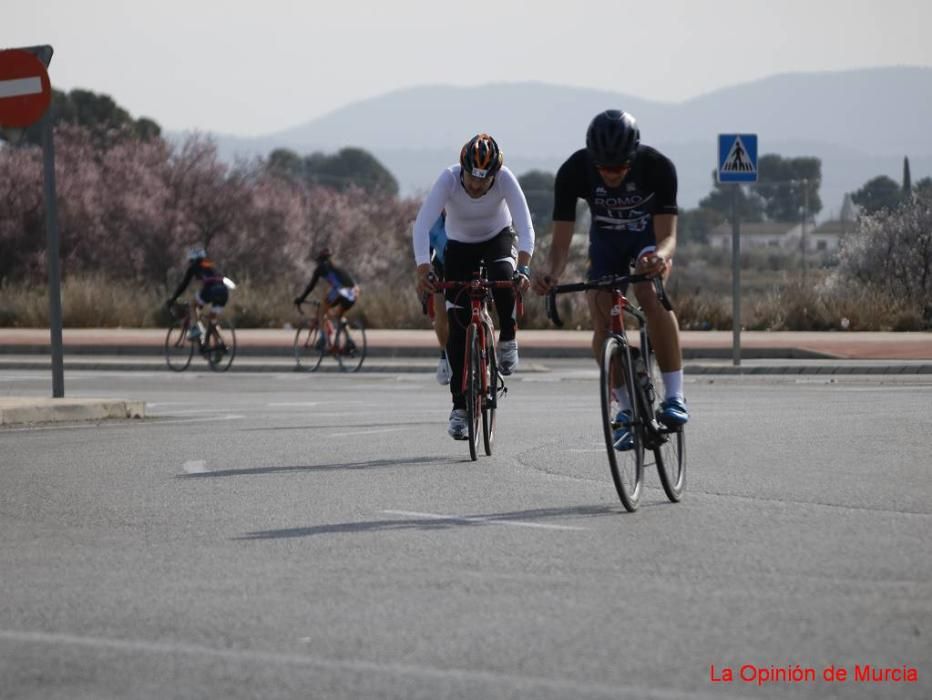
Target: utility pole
x=735 y=278
x=802 y=236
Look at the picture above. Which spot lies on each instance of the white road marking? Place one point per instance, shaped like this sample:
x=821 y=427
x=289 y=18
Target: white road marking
x=195 y=466
x=187 y=411
x=480 y=519
x=94 y=425
x=369 y=432
x=568 y=687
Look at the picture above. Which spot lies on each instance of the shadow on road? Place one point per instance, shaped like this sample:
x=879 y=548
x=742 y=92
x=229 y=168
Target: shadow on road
x=439 y=522
x=339 y=466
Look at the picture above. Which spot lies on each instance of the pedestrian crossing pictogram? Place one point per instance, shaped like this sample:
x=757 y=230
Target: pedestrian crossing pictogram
x=737 y=158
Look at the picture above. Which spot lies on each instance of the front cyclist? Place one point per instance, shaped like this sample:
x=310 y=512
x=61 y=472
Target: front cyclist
x=213 y=292
x=631 y=191
x=481 y=198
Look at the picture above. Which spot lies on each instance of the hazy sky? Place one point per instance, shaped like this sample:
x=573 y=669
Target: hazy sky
x=256 y=67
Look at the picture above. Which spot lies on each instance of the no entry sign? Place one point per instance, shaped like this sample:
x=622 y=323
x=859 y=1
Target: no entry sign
x=25 y=91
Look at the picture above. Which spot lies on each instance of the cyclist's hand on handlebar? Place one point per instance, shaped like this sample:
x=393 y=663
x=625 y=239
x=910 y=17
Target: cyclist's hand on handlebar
x=425 y=279
x=651 y=264
x=521 y=280
x=541 y=282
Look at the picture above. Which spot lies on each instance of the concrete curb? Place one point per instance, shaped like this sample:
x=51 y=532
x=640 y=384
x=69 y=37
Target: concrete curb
x=530 y=364
x=19 y=411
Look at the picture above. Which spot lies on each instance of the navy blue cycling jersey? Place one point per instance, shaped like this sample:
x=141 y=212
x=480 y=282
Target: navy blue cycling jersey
x=622 y=226
x=649 y=188
x=336 y=277
x=203 y=270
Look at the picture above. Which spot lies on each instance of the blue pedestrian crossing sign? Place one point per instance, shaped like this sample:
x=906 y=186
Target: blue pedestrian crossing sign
x=737 y=157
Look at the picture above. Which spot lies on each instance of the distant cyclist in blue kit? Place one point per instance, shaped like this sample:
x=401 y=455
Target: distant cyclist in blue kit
x=343 y=291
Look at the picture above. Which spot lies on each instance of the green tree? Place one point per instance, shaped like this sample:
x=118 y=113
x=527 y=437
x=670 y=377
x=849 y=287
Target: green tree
x=286 y=164
x=923 y=190
x=350 y=167
x=694 y=225
x=96 y=112
x=538 y=189
x=907 y=179
x=750 y=205
x=877 y=194
x=783 y=184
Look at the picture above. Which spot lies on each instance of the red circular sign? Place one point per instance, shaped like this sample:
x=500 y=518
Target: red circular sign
x=25 y=90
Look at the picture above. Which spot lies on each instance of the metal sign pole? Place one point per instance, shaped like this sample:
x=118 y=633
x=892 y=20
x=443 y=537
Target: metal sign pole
x=735 y=278
x=52 y=262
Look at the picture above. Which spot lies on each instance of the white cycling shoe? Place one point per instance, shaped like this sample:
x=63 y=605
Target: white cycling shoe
x=508 y=356
x=458 y=429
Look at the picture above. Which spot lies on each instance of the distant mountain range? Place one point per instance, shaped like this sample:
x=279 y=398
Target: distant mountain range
x=861 y=123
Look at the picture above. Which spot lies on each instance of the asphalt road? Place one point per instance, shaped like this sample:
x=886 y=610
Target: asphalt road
x=319 y=536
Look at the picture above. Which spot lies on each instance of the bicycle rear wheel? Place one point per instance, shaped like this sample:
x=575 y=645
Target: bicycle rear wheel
x=220 y=344
x=351 y=346
x=178 y=349
x=627 y=466
x=306 y=353
x=490 y=397
x=473 y=391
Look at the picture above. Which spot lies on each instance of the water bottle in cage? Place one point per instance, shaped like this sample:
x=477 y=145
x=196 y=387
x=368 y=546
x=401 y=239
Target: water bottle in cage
x=641 y=375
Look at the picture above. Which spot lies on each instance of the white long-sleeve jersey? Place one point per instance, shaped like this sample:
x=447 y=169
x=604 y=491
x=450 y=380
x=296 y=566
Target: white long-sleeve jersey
x=473 y=220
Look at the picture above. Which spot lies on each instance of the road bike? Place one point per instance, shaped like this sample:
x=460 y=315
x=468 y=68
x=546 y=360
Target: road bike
x=482 y=383
x=633 y=370
x=214 y=337
x=343 y=339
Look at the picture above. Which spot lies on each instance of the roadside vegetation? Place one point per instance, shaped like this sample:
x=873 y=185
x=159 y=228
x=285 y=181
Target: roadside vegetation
x=131 y=203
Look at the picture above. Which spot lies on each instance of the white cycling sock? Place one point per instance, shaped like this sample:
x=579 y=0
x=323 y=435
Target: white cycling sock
x=673 y=385
x=621 y=398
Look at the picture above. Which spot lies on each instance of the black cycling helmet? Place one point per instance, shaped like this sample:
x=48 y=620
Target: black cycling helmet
x=322 y=254
x=612 y=138
x=481 y=157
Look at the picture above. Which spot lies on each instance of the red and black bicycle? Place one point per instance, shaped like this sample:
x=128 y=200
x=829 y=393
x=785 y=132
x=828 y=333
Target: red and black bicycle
x=483 y=385
x=632 y=370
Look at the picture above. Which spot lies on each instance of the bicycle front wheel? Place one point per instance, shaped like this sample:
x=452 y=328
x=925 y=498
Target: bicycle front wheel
x=351 y=346
x=307 y=354
x=627 y=465
x=220 y=344
x=490 y=396
x=473 y=391
x=178 y=349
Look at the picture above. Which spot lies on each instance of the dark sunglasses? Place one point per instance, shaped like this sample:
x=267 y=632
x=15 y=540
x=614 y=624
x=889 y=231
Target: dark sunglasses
x=613 y=169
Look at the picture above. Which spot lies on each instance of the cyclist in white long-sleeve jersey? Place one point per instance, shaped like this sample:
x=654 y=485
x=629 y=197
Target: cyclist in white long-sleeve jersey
x=483 y=200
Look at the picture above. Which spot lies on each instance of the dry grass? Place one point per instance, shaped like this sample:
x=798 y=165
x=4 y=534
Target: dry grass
x=92 y=301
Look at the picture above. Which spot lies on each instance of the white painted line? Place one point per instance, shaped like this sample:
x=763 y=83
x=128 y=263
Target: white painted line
x=530 y=685
x=368 y=432
x=188 y=411
x=231 y=416
x=21 y=87
x=97 y=424
x=481 y=519
x=195 y=466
